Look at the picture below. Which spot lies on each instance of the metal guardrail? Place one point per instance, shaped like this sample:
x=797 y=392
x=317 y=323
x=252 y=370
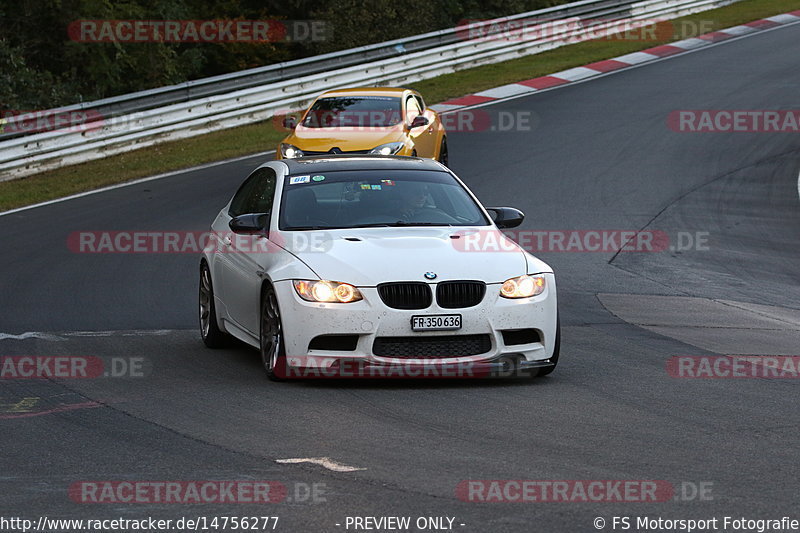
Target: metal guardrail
x=142 y=119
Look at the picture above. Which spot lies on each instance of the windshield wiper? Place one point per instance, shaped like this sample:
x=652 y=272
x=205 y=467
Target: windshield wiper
x=375 y=225
x=399 y=223
x=404 y=223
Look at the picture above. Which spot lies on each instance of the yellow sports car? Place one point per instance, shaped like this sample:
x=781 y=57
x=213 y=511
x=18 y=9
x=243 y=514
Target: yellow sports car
x=379 y=120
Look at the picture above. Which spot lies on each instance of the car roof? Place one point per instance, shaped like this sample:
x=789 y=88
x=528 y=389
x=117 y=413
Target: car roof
x=359 y=162
x=366 y=91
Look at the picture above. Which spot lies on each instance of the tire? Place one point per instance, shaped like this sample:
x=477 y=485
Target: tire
x=273 y=351
x=212 y=336
x=556 y=352
x=443 y=155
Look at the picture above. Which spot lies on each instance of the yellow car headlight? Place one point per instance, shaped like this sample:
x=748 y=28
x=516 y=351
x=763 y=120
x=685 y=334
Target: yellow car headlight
x=326 y=291
x=522 y=287
x=388 y=148
x=290 y=151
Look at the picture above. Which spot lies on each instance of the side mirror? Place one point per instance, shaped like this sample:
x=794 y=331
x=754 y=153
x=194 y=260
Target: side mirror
x=289 y=122
x=419 y=121
x=250 y=224
x=507 y=217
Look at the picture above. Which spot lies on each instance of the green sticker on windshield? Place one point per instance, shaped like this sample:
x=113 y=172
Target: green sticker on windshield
x=318 y=178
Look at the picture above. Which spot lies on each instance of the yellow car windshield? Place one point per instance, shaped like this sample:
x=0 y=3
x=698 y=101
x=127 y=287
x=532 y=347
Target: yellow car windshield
x=354 y=111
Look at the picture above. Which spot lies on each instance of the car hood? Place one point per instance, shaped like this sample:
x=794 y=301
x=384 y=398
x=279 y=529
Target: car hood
x=369 y=256
x=347 y=139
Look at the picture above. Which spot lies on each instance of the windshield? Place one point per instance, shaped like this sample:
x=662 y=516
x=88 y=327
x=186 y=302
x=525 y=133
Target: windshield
x=354 y=111
x=370 y=198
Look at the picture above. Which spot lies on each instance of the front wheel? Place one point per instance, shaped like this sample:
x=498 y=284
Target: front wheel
x=443 y=156
x=213 y=337
x=273 y=352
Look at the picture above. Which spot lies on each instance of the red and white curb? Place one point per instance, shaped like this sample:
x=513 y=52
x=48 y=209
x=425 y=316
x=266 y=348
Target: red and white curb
x=602 y=67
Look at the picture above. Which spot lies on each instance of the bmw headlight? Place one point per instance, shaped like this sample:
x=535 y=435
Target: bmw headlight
x=290 y=151
x=522 y=287
x=387 y=149
x=326 y=291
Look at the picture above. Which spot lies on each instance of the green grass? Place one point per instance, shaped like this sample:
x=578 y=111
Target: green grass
x=264 y=136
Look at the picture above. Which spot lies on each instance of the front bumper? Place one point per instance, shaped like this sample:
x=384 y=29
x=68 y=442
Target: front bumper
x=370 y=319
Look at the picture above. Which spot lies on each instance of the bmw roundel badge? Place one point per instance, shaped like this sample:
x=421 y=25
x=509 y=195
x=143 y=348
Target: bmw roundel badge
x=430 y=275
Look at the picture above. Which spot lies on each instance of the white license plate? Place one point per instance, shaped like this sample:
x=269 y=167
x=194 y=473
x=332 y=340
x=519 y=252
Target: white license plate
x=435 y=322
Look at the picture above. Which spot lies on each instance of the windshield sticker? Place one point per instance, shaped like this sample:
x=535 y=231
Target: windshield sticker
x=388 y=182
x=318 y=178
x=368 y=97
x=376 y=187
x=294 y=180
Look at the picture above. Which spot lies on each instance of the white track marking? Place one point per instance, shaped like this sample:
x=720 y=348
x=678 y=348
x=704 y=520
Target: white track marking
x=575 y=74
x=30 y=335
x=690 y=44
x=136 y=182
x=120 y=333
x=62 y=336
x=505 y=90
x=784 y=18
x=324 y=462
x=738 y=30
x=442 y=108
x=636 y=57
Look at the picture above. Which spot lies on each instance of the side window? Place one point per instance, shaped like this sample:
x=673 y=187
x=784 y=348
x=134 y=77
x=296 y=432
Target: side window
x=412 y=109
x=420 y=102
x=256 y=193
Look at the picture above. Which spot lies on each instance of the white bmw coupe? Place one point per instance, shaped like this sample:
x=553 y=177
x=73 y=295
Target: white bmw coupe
x=379 y=261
